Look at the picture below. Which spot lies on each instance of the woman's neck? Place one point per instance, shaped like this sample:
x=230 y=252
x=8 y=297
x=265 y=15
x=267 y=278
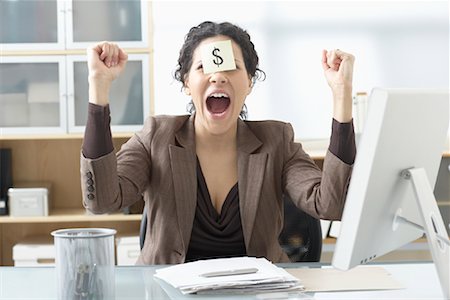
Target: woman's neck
x=205 y=140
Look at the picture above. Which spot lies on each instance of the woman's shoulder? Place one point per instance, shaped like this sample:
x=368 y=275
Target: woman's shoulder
x=268 y=129
x=170 y=119
x=166 y=121
x=267 y=125
x=162 y=124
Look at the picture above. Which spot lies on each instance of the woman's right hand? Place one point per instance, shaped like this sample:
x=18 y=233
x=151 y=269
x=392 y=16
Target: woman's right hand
x=105 y=63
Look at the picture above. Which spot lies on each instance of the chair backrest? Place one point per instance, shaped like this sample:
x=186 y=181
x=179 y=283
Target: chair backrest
x=143 y=227
x=301 y=237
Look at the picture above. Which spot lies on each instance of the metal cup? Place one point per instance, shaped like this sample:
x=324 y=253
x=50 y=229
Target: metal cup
x=85 y=263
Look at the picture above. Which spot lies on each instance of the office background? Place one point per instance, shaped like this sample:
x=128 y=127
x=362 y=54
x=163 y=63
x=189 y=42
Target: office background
x=396 y=44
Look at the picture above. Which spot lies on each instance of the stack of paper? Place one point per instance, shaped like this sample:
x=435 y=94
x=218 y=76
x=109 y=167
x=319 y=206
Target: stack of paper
x=229 y=275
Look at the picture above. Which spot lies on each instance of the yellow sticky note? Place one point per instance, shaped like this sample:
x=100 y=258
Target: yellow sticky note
x=218 y=57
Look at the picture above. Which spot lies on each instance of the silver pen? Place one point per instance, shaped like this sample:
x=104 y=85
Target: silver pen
x=230 y=272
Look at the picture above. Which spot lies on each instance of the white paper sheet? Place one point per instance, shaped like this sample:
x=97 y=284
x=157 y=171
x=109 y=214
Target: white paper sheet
x=187 y=277
x=356 y=279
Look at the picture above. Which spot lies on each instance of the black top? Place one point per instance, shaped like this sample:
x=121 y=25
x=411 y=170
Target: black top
x=215 y=235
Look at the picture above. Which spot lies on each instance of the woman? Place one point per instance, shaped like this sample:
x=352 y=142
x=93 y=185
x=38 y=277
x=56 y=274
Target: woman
x=212 y=182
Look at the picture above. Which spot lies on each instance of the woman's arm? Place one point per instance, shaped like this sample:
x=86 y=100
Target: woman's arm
x=338 y=68
x=104 y=188
x=322 y=194
x=105 y=63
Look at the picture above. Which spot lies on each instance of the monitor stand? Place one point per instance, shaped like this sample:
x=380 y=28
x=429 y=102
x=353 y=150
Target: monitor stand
x=434 y=228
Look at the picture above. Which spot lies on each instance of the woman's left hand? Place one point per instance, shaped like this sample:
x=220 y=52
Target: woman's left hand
x=338 y=69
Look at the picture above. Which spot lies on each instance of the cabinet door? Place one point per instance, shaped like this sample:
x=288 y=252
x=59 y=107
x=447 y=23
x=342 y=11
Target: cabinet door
x=129 y=94
x=114 y=20
x=32 y=95
x=31 y=25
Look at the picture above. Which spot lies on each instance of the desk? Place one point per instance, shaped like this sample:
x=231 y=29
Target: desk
x=137 y=282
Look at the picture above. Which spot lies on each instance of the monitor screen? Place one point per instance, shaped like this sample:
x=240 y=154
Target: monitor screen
x=405 y=128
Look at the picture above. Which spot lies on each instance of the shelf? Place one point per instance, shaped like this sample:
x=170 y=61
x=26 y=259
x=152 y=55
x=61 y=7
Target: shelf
x=70 y=215
x=64 y=136
x=317 y=149
x=68 y=52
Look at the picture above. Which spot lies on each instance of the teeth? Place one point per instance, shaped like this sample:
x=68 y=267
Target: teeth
x=219 y=95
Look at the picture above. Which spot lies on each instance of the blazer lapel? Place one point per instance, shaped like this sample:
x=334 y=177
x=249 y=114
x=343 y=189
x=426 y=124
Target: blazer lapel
x=251 y=168
x=184 y=174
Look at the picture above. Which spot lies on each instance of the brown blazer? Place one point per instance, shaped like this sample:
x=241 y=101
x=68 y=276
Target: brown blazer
x=159 y=163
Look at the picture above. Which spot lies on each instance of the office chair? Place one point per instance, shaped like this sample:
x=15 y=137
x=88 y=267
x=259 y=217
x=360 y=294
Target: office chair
x=301 y=237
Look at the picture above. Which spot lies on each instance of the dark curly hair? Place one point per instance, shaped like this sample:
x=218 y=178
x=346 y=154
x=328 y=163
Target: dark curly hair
x=209 y=29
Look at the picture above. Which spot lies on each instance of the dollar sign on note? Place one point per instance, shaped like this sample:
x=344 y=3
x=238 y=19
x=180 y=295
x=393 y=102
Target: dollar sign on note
x=218 y=60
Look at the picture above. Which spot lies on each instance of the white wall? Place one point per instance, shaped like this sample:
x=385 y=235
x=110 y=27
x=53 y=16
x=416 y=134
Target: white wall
x=396 y=44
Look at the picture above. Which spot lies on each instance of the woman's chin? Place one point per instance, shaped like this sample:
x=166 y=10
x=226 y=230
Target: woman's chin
x=219 y=116
x=218 y=123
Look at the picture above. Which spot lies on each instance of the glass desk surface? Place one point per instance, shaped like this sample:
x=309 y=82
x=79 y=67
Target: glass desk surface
x=137 y=282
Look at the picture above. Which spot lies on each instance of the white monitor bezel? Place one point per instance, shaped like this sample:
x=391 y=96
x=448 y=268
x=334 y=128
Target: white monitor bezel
x=405 y=128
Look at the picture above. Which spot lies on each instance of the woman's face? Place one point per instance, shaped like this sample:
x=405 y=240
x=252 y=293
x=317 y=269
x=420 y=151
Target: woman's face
x=218 y=97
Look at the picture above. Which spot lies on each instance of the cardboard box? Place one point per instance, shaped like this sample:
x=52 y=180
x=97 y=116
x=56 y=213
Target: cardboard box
x=28 y=201
x=34 y=252
x=128 y=250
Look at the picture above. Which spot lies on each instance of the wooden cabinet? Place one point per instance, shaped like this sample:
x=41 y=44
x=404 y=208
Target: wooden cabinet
x=32 y=25
x=44 y=96
x=55 y=160
x=32 y=96
x=129 y=95
x=43 y=70
x=72 y=24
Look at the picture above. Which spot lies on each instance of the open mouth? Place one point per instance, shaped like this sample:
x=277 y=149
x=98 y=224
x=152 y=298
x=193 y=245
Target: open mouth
x=217 y=103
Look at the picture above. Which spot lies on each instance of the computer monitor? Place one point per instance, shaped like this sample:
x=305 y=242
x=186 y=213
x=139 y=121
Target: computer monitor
x=390 y=201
